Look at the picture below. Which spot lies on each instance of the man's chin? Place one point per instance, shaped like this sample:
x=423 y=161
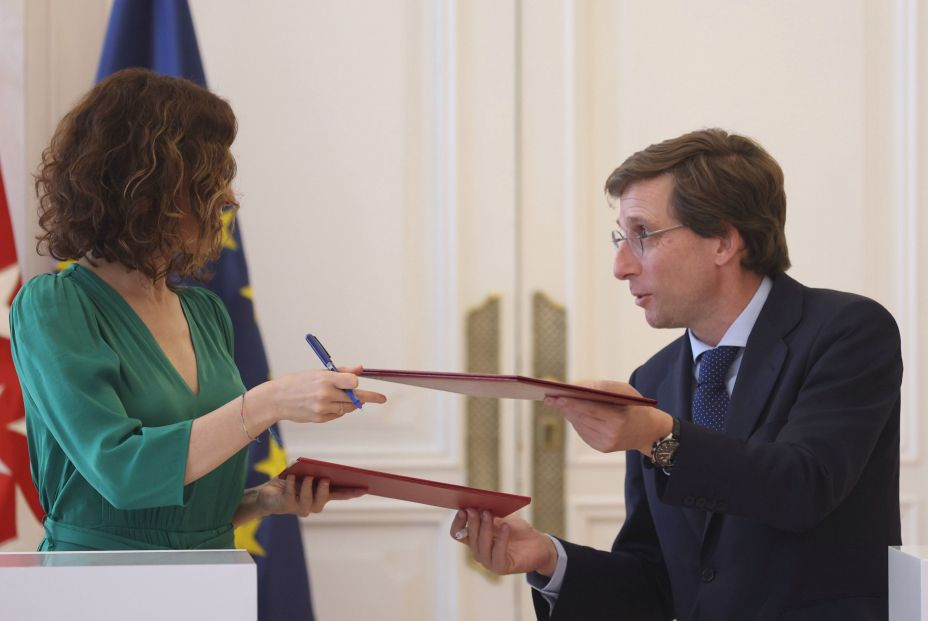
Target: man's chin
x=654 y=320
x=660 y=322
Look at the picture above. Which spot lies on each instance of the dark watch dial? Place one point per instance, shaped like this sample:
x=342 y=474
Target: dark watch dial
x=664 y=451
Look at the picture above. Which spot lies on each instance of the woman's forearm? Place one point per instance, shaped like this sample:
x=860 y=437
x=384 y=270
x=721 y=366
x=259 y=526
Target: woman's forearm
x=248 y=509
x=218 y=435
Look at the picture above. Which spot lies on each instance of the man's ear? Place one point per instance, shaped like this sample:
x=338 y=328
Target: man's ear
x=730 y=246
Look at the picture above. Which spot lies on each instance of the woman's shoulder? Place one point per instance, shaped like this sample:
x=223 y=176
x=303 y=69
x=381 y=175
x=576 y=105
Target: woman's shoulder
x=208 y=306
x=53 y=303
x=199 y=296
x=46 y=291
x=203 y=301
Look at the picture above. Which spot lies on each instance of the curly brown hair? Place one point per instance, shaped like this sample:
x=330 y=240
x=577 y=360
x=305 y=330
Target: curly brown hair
x=719 y=179
x=132 y=168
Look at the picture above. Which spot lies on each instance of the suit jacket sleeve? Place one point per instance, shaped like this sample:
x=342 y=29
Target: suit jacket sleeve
x=630 y=581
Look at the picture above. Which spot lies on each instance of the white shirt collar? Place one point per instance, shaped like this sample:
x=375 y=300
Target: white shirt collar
x=739 y=331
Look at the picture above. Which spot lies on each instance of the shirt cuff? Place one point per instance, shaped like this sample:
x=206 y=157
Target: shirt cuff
x=550 y=589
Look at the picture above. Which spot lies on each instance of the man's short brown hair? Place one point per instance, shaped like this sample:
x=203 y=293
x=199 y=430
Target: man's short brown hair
x=719 y=179
x=140 y=156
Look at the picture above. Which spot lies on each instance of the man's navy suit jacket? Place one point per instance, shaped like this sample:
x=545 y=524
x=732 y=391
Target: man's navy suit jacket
x=789 y=513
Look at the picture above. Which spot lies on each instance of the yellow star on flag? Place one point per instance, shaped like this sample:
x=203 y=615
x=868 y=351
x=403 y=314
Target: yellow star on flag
x=228 y=241
x=245 y=537
x=276 y=459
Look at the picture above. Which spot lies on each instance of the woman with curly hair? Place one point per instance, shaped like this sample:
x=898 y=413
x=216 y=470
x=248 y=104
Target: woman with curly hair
x=137 y=417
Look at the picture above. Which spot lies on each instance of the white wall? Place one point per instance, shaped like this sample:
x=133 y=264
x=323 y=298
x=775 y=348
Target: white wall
x=50 y=50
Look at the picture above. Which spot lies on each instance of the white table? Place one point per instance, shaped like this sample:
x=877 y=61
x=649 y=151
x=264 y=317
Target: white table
x=143 y=586
x=908 y=583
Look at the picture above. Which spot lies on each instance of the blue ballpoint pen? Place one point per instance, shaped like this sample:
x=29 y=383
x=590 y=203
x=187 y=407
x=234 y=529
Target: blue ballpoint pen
x=327 y=361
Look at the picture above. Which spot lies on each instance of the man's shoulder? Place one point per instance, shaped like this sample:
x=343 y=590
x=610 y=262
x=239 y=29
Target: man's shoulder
x=815 y=319
x=821 y=305
x=818 y=298
x=658 y=365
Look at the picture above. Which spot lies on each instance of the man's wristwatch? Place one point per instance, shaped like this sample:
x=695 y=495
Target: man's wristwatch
x=664 y=450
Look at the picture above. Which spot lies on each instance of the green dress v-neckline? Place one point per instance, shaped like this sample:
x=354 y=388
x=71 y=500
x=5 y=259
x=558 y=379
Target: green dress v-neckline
x=90 y=277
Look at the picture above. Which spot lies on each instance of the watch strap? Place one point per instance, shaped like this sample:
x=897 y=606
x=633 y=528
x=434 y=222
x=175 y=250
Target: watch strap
x=671 y=439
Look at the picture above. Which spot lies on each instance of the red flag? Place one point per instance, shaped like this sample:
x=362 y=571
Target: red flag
x=14 y=456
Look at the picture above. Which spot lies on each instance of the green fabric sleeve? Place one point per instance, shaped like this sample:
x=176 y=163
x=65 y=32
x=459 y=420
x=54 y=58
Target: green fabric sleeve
x=68 y=372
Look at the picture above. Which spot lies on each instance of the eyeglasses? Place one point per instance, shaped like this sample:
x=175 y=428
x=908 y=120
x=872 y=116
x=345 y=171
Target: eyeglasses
x=637 y=241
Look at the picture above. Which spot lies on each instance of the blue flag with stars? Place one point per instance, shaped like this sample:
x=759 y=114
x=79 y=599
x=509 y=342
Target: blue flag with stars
x=159 y=35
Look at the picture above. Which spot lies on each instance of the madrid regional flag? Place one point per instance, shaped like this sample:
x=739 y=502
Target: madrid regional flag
x=14 y=456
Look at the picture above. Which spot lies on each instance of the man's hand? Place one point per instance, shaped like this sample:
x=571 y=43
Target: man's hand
x=609 y=428
x=504 y=545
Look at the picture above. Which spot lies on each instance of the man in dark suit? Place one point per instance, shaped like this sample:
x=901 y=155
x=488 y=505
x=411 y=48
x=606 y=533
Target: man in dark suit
x=765 y=484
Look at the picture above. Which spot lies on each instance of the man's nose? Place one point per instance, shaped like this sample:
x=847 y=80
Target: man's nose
x=626 y=264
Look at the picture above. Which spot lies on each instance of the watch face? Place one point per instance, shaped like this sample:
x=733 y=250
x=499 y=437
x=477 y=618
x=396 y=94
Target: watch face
x=664 y=451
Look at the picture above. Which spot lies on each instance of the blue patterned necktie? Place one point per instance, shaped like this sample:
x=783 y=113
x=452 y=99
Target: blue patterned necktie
x=710 y=401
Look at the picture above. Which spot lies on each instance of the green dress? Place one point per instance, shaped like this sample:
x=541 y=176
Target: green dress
x=108 y=417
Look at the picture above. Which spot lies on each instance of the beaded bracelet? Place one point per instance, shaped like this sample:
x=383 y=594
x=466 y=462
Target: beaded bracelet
x=244 y=426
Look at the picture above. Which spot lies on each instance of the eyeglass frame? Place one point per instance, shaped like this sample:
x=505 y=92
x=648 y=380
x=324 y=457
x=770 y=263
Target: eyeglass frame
x=618 y=237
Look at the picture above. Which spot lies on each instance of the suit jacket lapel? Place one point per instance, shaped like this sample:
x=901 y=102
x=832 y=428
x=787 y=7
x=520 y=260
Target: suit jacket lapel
x=676 y=391
x=760 y=367
x=675 y=396
x=764 y=356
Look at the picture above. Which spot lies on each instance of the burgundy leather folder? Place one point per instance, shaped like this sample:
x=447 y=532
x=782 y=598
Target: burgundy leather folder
x=401 y=487
x=501 y=386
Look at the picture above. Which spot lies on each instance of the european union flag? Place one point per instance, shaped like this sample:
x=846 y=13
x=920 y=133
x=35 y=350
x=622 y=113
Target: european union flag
x=159 y=35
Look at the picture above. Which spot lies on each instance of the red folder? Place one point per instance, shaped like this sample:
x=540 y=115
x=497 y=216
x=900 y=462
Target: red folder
x=501 y=386
x=401 y=487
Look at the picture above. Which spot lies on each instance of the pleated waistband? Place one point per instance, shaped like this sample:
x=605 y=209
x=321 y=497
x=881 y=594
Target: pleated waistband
x=61 y=536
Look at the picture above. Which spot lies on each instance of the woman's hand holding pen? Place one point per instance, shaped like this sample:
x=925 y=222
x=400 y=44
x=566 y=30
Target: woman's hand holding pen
x=310 y=396
x=316 y=396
